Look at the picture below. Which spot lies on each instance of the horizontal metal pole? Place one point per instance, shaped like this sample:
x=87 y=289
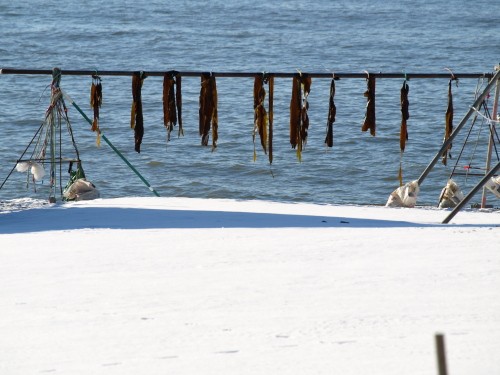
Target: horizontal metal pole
x=468 y=174
x=56 y=160
x=249 y=74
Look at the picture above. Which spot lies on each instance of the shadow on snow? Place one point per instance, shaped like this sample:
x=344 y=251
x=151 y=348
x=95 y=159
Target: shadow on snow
x=68 y=218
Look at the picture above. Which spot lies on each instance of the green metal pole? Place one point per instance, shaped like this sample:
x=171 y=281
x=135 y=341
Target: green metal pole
x=112 y=146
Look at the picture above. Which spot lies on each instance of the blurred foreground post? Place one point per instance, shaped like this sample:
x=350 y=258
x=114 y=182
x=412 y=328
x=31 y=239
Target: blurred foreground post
x=441 y=355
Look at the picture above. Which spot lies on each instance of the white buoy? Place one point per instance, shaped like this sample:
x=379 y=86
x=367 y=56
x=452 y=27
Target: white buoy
x=493 y=185
x=22 y=166
x=451 y=195
x=404 y=196
x=37 y=171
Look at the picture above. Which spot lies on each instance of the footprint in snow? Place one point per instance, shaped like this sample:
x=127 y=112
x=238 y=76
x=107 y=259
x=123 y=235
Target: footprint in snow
x=111 y=364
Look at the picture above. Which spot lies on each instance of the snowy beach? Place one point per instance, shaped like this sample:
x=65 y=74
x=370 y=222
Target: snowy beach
x=247 y=264
x=202 y=286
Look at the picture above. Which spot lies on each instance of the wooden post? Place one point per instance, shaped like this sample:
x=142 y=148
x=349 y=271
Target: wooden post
x=441 y=354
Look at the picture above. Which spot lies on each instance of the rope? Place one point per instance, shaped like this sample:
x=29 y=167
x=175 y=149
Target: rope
x=476 y=144
x=47 y=137
x=24 y=152
x=489 y=119
x=467 y=138
x=485 y=118
x=462 y=123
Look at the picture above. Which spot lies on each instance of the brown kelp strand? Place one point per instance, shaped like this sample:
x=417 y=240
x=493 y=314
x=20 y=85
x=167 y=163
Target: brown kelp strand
x=270 y=81
x=332 y=112
x=369 y=121
x=178 y=101
x=306 y=89
x=299 y=118
x=400 y=173
x=260 y=113
x=215 y=118
x=169 y=104
x=95 y=104
x=204 y=118
x=136 y=118
x=295 y=111
x=403 y=133
x=208 y=119
x=448 y=124
x=405 y=115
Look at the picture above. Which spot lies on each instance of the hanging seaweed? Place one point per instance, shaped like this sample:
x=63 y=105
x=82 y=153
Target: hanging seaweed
x=448 y=124
x=215 y=117
x=172 y=102
x=306 y=89
x=208 y=110
x=263 y=120
x=136 y=118
x=260 y=118
x=270 y=81
x=405 y=115
x=295 y=111
x=299 y=119
x=169 y=103
x=403 y=134
x=332 y=112
x=369 y=121
x=95 y=104
x=178 y=101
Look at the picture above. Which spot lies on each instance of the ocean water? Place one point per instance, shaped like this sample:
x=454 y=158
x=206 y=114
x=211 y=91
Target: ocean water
x=246 y=36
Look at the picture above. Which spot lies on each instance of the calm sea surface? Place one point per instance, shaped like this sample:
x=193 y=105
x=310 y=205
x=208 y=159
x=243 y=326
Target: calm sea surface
x=249 y=36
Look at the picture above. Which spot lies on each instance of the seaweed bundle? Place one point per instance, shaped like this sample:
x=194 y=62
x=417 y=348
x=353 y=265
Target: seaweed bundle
x=295 y=110
x=260 y=117
x=403 y=133
x=169 y=110
x=178 y=101
x=405 y=115
x=136 y=118
x=270 y=81
x=448 y=124
x=95 y=104
x=263 y=120
x=332 y=112
x=369 y=121
x=208 y=110
x=299 y=119
x=172 y=103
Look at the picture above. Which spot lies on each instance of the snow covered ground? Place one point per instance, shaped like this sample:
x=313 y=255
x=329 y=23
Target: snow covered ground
x=193 y=286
